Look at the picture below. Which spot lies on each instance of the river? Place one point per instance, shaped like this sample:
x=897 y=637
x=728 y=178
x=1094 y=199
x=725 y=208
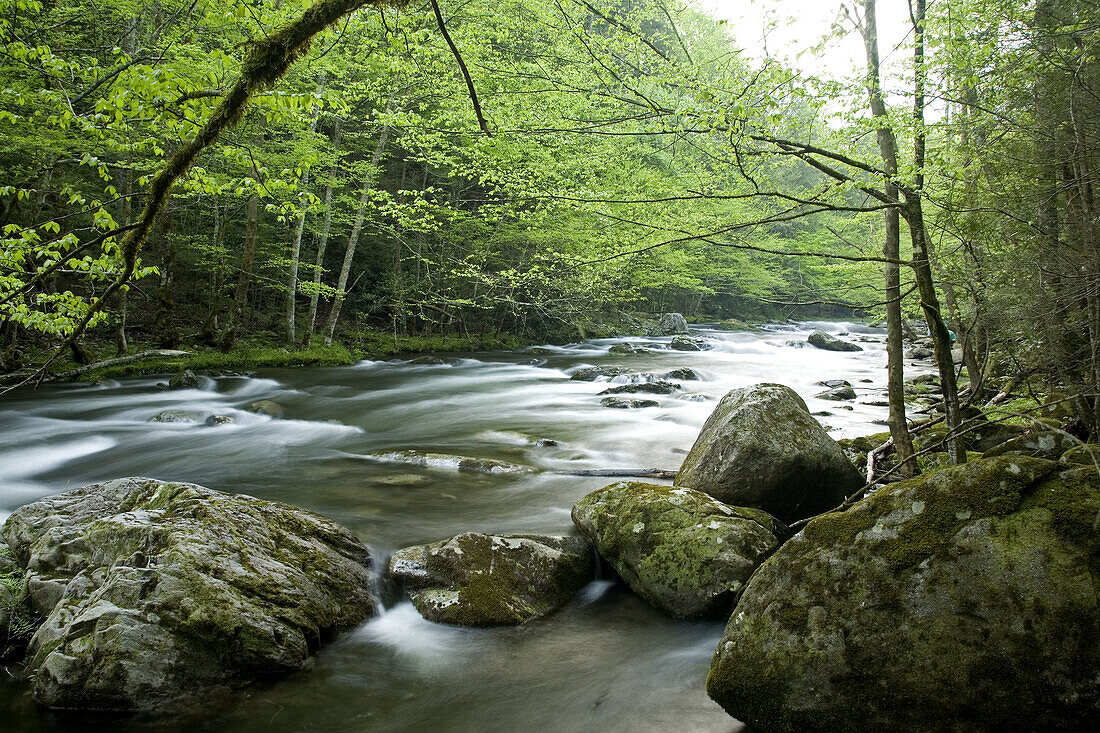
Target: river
x=606 y=662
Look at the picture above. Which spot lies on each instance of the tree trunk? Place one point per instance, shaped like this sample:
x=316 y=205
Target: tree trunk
x=357 y=227
x=891 y=250
x=168 y=335
x=296 y=241
x=244 y=278
x=322 y=240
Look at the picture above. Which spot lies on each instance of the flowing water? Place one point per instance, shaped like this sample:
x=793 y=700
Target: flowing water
x=606 y=662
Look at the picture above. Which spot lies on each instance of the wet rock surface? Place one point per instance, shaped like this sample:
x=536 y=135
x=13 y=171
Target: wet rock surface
x=150 y=590
x=492 y=580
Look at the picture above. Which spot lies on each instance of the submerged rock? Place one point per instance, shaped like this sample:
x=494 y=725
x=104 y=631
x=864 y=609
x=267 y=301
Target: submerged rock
x=267 y=407
x=828 y=342
x=683 y=374
x=683 y=343
x=761 y=448
x=174 y=416
x=964 y=600
x=465 y=464
x=837 y=394
x=151 y=590
x=644 y=387
x=685 y=552
x=671 y=323
x=628 y=350
x=492 y=580
x=623 y=403
x=184 y=380
x=592 y=374
x=215 y=420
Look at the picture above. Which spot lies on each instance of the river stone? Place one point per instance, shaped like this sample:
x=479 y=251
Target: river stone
x=493 y=580
x=465 y=464
x=215 y=420
x=919 y=352
x=628 y=350
x=826 y=341
x=153 y=591
x=683 y=374
x=623 y=403
x=646 y=387
x=174 y=416
x=683 y=343
x=267 y=407
x=184 y=380
x=683 y=551
x=1050 y=444
x=671 y=323
x=835 y=383
x=592 y=374
x=761 y=448
x=965 y=600
x=837 y=394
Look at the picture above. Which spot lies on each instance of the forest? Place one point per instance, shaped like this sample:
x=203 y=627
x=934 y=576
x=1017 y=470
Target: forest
x=263 y=184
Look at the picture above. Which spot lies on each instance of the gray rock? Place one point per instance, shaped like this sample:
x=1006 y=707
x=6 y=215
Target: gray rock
x=919 y=352
x=628 y=350
x=622 y=403
x=492 y=580
x=837 y=394
x=267 y=407
x=796 y=344
x=834 y=383
x=215 y=420
x=153 y=590
x=828 y=342
x=683 y=343
x=682 y=550
x=761 y=448
x=174 y=416
x=592 y=374
x=184 y=380
x=465 y=464
x=683 y=374
x=964 y=600
x=671 y=323
x=644 y=387
x=1049 y=444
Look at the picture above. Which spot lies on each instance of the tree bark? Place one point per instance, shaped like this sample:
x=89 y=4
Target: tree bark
x=322 y=239
x=244 y=278
x=296 y=241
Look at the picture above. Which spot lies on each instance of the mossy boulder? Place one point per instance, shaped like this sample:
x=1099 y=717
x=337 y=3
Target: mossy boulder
x=1038 y=443
x=1086 y=455
x=594 y=374
x=492 y=580
x=761 y=448
x=828 y=342
x=683 y=551
x=626 y=403
x=837 y=394
x=684 y=343
x=184 y=380
x=964 y=600
x=628 y=350
x=683 y=374
x=152 y=591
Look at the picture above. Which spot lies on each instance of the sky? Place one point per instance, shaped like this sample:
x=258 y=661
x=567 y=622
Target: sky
x=789 y=28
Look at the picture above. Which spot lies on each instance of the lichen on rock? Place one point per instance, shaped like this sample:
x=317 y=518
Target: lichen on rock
x=964 y=600
x=153 y=590
x=685 y=552
x=476 y=579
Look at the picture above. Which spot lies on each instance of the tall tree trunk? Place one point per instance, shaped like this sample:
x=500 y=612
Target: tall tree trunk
x=891 y=250
x=296 y=241
x=208 y=333
x=322 y=239
x=167 y=334
x=357 y=227
x=244 y=278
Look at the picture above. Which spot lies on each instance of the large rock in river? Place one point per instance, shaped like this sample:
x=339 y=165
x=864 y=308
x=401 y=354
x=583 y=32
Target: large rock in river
x=761 y=448
x=154 y=590
x=828 y=342
x=671 y=324
x=477 y=579
x=963 y=600
x=685 y=552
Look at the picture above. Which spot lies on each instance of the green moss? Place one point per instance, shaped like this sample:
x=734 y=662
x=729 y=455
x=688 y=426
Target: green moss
x=246 y=356
x=941 y=502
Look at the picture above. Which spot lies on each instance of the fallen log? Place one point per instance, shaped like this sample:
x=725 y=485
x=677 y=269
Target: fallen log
x=622 y=473
x=118 y=360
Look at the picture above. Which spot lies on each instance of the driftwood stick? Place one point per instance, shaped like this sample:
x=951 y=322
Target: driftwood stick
x=118 y=360
x=622 y=472
x=872 y=455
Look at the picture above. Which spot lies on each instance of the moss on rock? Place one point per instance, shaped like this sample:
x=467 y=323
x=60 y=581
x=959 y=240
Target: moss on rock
x=685 y=552
x=964 y=600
